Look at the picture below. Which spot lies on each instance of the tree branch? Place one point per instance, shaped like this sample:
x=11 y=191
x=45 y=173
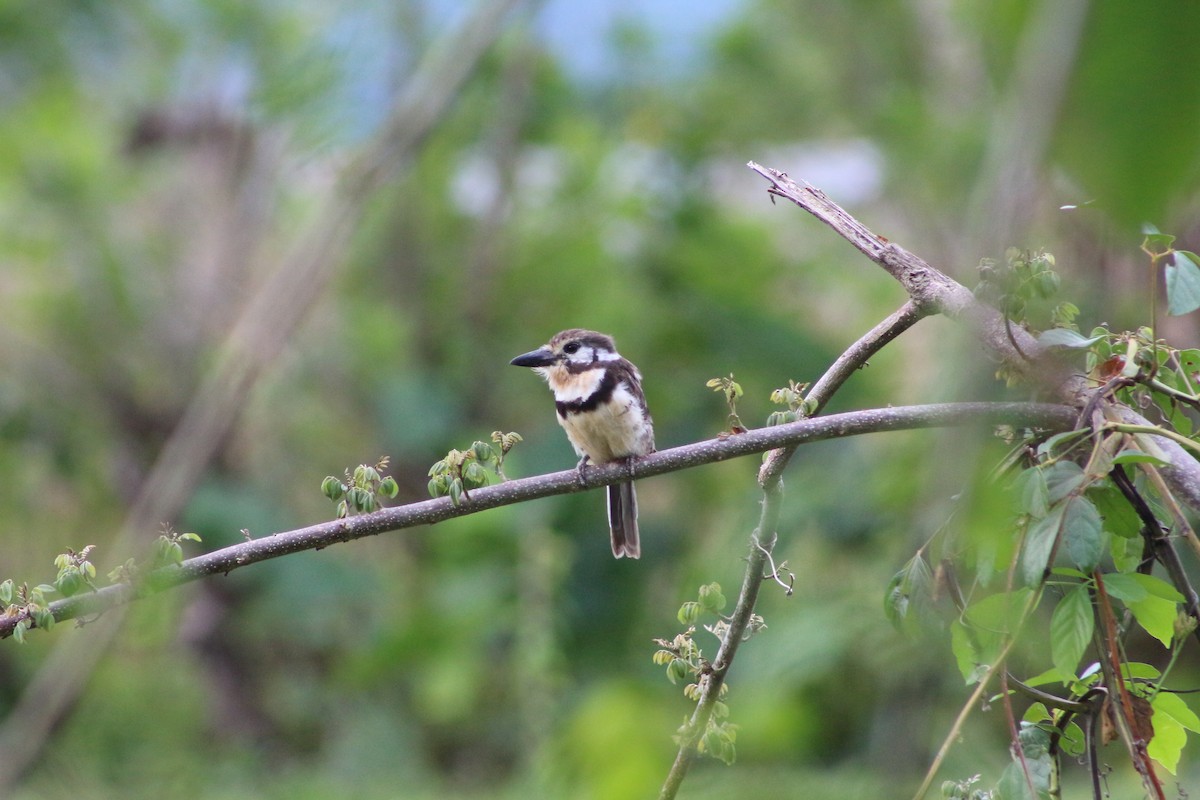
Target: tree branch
x=853 y=359
x=765 y=536
x=428 y=512
x=935 y=291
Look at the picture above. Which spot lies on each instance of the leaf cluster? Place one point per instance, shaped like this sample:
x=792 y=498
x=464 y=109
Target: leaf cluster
x=28 y=605
x=732 y=390
x=684 y=661
x=1020 y=287
x=463 y=470
x=359 y=492
x=792 y=398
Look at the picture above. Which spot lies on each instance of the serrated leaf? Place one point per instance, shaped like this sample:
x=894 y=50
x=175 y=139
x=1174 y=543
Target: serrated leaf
x=1035 y=495
x=1125 y=587
x=1126 y=552
x=912 y=582
x=964 y=652
x=1183 y=284
x=1062 y=479
x=1172 y=718
x=1119 y=517
x=1065 y=337
x=1083 y=534
x=1039 y=545
x=1071 y=628
x=1172 y=705
x=1157 y=616
x=1158 y=587
x=1014 y=785
x=1168 y=742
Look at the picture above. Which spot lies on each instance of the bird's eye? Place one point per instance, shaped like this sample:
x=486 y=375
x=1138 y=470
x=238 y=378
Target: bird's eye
x=570 y=348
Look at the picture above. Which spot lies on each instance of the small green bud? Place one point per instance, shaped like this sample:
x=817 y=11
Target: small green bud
x=711 y=597
x=68 y=582
x=332 y=488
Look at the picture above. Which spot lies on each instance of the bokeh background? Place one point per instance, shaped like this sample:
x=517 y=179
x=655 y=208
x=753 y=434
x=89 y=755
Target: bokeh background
x=235 y=258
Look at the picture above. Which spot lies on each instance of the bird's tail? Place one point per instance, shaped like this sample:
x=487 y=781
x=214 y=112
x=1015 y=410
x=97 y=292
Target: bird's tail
x=622 y=521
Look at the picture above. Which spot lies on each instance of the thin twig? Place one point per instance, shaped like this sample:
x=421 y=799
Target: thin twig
x=854 y=358
x=788 y=587
x=764 y=538
x=763 y=542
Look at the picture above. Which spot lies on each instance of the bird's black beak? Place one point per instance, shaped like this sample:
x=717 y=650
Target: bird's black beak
x=542 y=357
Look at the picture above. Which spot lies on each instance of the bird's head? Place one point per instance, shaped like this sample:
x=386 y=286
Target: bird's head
x=573 y=349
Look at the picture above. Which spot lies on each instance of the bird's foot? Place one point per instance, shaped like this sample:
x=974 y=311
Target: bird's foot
x=579 y=471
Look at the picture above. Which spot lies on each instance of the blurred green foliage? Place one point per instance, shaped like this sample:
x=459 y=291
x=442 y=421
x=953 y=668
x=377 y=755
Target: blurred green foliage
x=160 y=156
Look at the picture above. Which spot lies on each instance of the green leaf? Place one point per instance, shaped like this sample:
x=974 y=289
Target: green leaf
x=1119 y=517
x=6 y=591
x=1140 y=669
x=1172 y=718
x=1168 y=742
x=1157 y=616
x=1083 y=535
x=1183 y=285
x=1065 y=337
x=1172 y=705
x=964 y=651
x=1047 y=447
x=913 y=583
x=1126 y=552
x=711 y=597
x=1138 y=457
x=1125 y=587
x=1155 y=241
x=1039 y=544
x=1157 y=587
x=44 y=618
x=1014 y=785
x=1062 y=479
x=1071 y=630
x=1035 y=496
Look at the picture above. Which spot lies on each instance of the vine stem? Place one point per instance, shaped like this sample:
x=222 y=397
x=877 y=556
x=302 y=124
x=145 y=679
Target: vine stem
x=965 y=711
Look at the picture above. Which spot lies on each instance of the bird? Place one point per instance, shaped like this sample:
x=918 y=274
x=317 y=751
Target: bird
x=600 y=404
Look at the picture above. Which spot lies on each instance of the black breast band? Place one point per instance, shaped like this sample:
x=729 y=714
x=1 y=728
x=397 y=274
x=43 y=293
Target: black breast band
x=603 y=393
